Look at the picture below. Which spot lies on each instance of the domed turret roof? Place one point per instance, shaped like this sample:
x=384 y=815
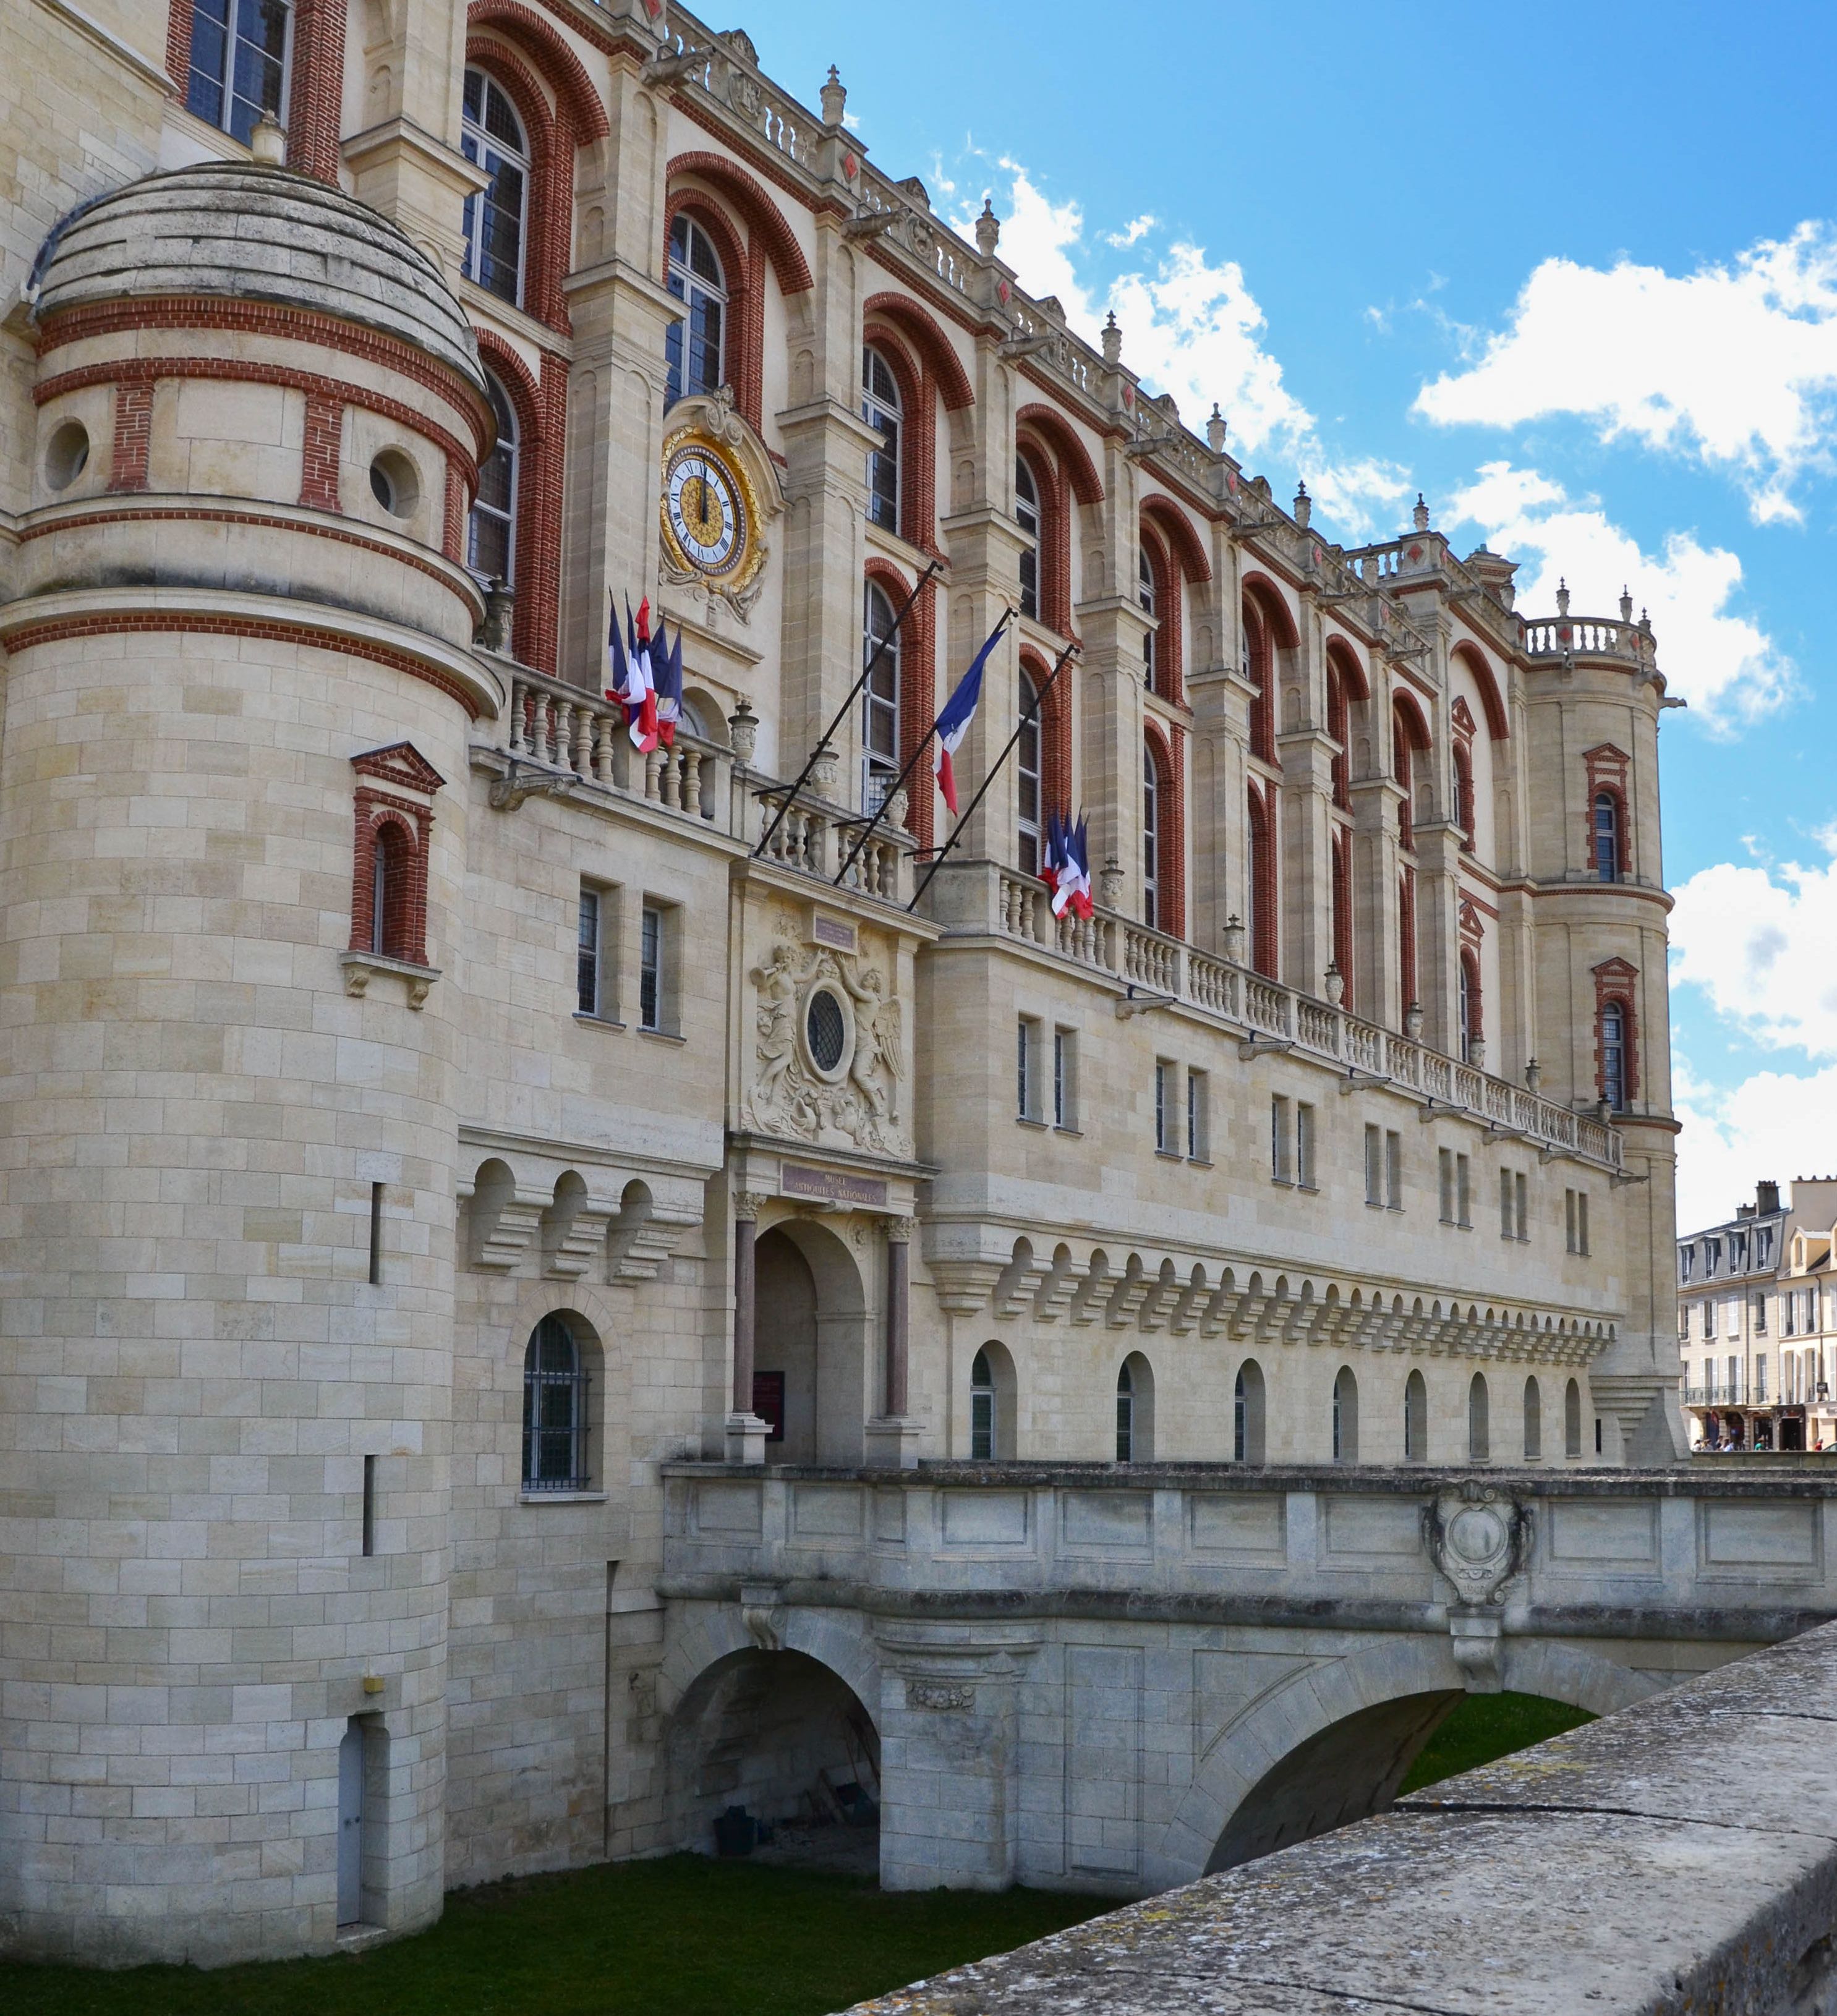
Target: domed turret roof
x=249 y=231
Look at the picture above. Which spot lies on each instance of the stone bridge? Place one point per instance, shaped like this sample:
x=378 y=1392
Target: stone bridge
x=1119 y=1679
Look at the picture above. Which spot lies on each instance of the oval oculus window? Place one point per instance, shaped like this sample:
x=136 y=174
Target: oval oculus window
x=824 y=1030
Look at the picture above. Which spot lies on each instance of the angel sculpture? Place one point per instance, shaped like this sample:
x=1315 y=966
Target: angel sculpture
x=778 y=986
x=877 y=1042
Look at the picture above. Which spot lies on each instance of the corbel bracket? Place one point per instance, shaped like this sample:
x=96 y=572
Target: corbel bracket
x=1355 y=1077
x=1433 y=1109
x=1260 y=1046
x=509 y=790
x=1132 y=1003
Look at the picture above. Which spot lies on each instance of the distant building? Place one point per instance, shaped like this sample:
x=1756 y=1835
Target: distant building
x=1754 y=1322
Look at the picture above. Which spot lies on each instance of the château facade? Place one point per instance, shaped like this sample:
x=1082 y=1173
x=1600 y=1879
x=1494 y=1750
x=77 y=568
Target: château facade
x=429 y=1119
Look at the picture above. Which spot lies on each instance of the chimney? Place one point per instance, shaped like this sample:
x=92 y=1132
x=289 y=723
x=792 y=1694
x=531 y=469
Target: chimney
x=1767 y=1199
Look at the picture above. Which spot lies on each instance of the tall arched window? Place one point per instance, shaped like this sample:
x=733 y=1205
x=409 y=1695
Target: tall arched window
x=1027 y=517
x=239 y=51
x=1573 y=1419
x=879 y=700
x=1339 y=727
x=1462 y=782
x=1607 y=837
x=1151 y=839
x=392 y=867
x=1260 y=888
x=554 y=1411
x=1479 y=1432
x=1613 y=1055
x=1472 y=1027
x=1406 y=938
x=982 y=1410
x=1029 y=809
x=491 y=534
x=1345 y=1416
x=1343 y=913
x=492 y=134
x=1533 y=1421
x=1126 y=1415
x=1145 y=595
x=879 y=408
x=1416 y=1419
x=1247 y=1413
x=1260 y=670
x=695 y=348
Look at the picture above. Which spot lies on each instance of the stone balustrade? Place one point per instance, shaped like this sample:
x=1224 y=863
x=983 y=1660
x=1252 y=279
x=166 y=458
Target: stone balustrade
x=1679 y=1855
x=1018 y=907
x=816 y=836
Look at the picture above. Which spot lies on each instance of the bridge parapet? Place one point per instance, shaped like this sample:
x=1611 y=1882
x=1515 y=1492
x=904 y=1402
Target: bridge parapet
x=1606 y=1871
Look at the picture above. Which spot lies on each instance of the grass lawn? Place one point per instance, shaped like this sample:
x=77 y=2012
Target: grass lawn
x=1484 y=1727
x=681 y=1937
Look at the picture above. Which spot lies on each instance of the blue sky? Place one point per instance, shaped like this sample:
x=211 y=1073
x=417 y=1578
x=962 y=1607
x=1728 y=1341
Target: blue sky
x=1570 y=272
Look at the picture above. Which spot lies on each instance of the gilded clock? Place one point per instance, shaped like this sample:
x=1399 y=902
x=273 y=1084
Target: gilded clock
x=710 y=518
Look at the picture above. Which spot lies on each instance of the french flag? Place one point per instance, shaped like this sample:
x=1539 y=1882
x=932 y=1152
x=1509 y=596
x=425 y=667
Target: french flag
x=1066 y=869
x=637 y=691
x=953 y=724
x=666 y=659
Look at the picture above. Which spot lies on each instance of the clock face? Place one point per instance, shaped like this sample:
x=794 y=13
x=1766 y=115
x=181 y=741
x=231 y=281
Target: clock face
x=705 y=509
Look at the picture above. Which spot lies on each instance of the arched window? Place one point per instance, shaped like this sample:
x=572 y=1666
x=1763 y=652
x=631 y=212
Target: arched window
x=1126 y=1415
x=695 y=348
x=1027 y=517
x=1407 y=938
x=1479 y=1433
x=492 y=134
x=1260 y=889
x=1533 y=1421
x=1573 y=1419
x=1150 y=839
x=1259 y=670
x=1145 y=595
x=1463 y=787
x=1613 y=1055
x=1472 y=1027
x=1339 y=727
x=1607 y=837
x=1027 y=778
x=391 y=865
x=1416 y=1419
x=879 y=700
x=879 y=408
x=240 y=52
x=1247 y=1413
x=1345 y=1416
x=1343 y=913
x=554 y=1411
x=982 y=1410
x=491 y=534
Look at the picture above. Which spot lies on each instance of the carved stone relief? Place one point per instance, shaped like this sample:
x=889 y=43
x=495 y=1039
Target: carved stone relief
x=830 y=1052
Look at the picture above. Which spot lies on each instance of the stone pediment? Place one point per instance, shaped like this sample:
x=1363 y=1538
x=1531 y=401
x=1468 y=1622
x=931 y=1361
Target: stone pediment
x=401 y=765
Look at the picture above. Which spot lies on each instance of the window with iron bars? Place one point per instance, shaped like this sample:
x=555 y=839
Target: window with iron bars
x=554 y=1411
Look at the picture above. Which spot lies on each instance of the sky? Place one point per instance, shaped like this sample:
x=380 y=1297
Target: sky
x=1570 y=272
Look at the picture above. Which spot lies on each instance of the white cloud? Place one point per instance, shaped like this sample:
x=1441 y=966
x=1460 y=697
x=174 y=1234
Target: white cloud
x=1735 y=364
x=1762 y=944
x=1772 y=1126
x=1191 y=327
x=1722 y=662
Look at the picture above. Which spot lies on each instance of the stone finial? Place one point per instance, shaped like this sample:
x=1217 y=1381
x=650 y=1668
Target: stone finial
x=1215 y=430
x=835 y=95
x=1234 y=935
x=269 y=142
x=1645 y=623
x=1304 y=505
x=1413 y=1021
x=1533 y=1076
x=1336 y=985
x=1420 y=516
x=1562 y=596
x=1110 y=883
x=1112 y=341
x=743 y=731
x=1626 y=604
x=988 y=230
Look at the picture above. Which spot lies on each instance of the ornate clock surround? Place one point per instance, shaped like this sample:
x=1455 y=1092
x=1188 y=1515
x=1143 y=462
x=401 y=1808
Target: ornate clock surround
x=709 y=422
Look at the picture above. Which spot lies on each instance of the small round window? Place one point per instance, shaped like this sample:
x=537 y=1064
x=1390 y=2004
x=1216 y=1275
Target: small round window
x=824 y=1030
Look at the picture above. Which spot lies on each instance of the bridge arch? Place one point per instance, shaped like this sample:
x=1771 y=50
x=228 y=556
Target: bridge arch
x=1327 y=1741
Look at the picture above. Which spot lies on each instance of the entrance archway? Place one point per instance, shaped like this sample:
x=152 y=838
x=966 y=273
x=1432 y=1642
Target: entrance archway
x=811 y=1357
x=783 y=1737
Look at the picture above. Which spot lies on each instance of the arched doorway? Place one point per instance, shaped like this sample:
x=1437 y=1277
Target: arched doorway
x=785 y=1739
x=810 y=1352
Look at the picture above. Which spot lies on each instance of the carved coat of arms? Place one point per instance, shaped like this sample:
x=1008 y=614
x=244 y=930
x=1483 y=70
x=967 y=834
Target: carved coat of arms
x=829 y=1053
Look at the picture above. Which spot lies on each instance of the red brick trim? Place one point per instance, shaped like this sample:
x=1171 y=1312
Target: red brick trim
x=1616 y=982
x=1474 y=660
x=400 y=764
x=764 y=219
x=321 y=451
x=233 y=371
x=452 y=524
x=1055 y=737
x=743 y=364
x=33 y=636
x=548 y=211
x=1185 y=544
x=134 y=433
x=1055 y=534
x=1168 y=634
x=1606 y=771
x=1164 y=752
x=918 y=435
x=1262 y=669
x=1056 y=432
x=178 y=25
x=206 y=516
x=918 y=687
x=921 y=330
x=1339 y=727
x=262 y=318
x=1476 y=994
x=579 y=102
x=1265 y=943
x=408 y=826
x=1342 y=912
x=315 y=90
x=1406 y=937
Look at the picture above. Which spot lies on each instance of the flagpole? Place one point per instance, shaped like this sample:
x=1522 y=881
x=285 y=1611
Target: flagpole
x=879 y=650
x=1028 y=714
x=911 y=763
